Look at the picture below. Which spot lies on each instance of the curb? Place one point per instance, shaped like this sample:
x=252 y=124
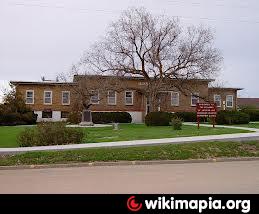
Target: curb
x=128 y=163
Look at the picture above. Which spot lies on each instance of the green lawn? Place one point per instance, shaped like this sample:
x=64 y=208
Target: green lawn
x=202 y=150
x=8 y=135
x=250 y=125
x=126 y=132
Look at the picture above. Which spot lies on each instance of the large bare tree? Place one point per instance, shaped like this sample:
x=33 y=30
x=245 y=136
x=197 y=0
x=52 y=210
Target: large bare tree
x=157 y=48
x=89 y=88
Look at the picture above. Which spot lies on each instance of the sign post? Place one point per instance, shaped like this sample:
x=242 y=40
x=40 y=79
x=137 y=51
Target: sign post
x=206 y=110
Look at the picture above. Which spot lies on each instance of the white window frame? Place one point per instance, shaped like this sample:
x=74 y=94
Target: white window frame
x=217 y=95
x=51 y=96
x=178 y=98
x=63 y=92
x=132 y=93
x=27 y=97
x=232 y=98
x=198 y=100
x=98 y=95
x=115 y=98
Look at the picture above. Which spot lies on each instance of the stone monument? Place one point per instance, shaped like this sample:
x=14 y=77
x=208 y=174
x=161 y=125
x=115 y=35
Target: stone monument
x=86 y=118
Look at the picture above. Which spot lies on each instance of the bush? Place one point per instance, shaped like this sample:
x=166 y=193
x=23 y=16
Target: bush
x=12 y=118
x=186 y=116
x=177 y=123
x=74 y=117
x=14 y=110
x=29 y=118
x=111 y=117
x=9 y=119
x=50 y=133
x=158 y=119
x=253 y=114
x=232 y=117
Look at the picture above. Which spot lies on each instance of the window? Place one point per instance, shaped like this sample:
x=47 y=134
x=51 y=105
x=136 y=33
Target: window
x=64 y=114
x=217 y=100
x=175 y=98
x=65 y=97
x=47 y=97
x=194 y=99
x=29 y=97
x=112 y=97
x=128 y=97
x=95 y=97
x=47 y=114
x=229 y=101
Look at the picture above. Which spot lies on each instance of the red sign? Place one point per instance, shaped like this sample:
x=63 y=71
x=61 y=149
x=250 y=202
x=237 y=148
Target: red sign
x=206 y=110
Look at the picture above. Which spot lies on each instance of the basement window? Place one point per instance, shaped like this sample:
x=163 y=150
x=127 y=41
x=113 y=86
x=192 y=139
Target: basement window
x=47 y=114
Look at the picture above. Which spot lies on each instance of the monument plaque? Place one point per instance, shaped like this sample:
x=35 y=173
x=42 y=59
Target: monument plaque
x=86 y=118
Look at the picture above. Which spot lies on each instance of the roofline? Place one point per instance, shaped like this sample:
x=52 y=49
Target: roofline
x=136 y=78
x=40 y=83
x=227 y=88
x=248 y=98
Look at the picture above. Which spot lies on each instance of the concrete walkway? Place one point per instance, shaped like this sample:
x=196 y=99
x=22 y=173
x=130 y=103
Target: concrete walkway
x=239 y=137
x=223 y=126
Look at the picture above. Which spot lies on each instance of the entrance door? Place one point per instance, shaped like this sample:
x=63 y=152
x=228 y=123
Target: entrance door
x=147 y=106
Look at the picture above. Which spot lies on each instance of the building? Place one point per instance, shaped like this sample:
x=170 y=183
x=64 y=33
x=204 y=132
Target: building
x=248 y=102
x=53 y=101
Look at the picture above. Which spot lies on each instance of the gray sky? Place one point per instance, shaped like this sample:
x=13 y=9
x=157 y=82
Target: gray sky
x=44 y=37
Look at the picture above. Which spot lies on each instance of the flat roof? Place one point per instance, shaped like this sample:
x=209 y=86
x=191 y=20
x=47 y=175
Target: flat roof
x=41 y=83
x=135 y=77
x=226 y=88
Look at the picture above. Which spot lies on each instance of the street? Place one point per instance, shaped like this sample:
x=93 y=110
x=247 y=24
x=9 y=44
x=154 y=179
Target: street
x=218 y=177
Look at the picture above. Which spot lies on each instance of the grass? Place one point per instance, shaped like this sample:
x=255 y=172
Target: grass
x=202 y=150
x=8 y=135
x=127 y=132
x=141 y=132
x=250 y=125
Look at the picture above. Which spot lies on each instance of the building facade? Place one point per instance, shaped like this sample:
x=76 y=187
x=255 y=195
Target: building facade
x=248 y=102
x=53 y=101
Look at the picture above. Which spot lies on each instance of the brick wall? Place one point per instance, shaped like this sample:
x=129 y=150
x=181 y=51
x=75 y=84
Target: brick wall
x=39 y=96
x=139 y=100
x=223 y=92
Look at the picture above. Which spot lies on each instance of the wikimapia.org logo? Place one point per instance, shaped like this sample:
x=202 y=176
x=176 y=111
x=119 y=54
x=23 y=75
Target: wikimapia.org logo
x=133 y=205
x=162 y=204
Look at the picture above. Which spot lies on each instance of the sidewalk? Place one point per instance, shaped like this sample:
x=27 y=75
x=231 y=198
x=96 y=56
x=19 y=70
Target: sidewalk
x=180 y=140
x=223 y=126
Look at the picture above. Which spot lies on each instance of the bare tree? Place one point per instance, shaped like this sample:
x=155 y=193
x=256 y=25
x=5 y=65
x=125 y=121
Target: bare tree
x=157 y=48
x=88 y=88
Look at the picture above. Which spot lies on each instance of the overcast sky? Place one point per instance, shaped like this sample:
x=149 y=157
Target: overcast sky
x=44 y=37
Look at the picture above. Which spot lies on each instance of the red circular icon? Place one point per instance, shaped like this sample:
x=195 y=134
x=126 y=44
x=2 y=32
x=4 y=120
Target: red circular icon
x=133 y=205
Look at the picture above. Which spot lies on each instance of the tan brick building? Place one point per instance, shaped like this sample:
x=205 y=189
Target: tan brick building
x=53 y=101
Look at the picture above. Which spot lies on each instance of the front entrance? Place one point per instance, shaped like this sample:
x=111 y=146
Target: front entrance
x=147 y=106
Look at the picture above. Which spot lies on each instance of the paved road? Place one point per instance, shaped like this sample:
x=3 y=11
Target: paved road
x=221 y=177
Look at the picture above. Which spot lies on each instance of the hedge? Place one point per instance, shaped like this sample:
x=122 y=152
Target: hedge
x=232 y=117
x=158 y=119
x=253 y=114
x=186 y=116
x=12 y=118
x=111 y=117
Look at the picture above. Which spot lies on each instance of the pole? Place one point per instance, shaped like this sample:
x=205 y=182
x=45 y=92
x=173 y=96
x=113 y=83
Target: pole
x=198 y=120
